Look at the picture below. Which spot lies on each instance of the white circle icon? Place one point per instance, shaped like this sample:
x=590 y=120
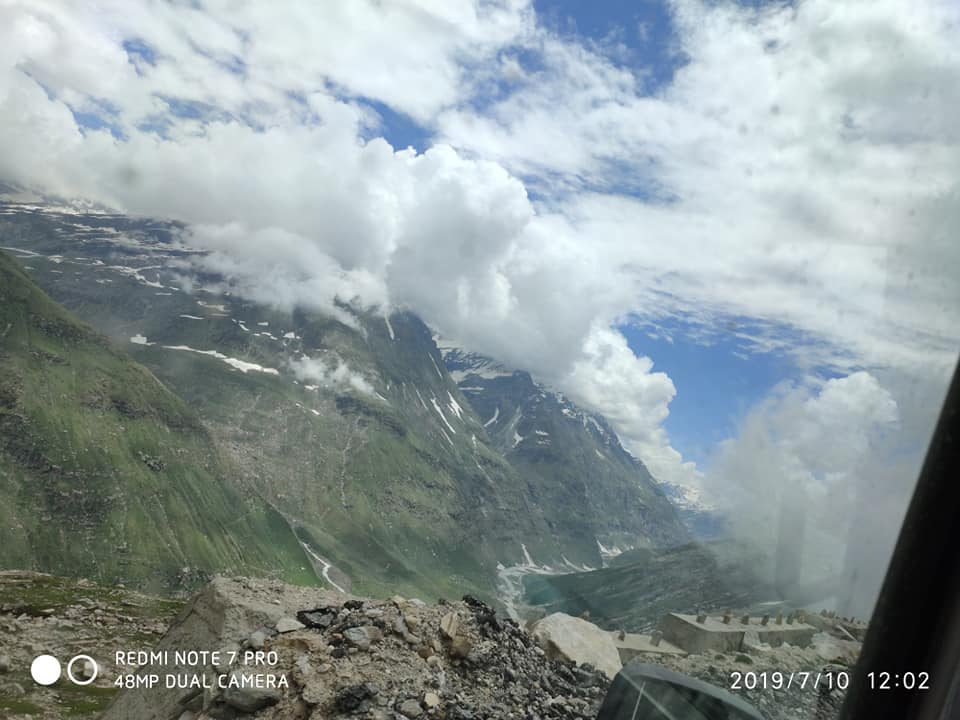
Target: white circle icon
x=85 y=658
x=45 y=669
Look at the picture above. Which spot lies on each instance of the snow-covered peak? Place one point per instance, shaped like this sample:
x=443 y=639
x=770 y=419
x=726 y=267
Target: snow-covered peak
x=686 y=497
x=462 y=364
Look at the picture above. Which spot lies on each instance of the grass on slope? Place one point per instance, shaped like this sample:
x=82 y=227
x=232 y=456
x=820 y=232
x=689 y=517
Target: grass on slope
x=106 y=474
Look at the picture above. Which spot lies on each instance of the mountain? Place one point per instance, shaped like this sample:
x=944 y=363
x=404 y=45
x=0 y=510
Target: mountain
x=571 y=461
x=348 y=423
x=703 y=520
x=106 y=474
x=641 y=585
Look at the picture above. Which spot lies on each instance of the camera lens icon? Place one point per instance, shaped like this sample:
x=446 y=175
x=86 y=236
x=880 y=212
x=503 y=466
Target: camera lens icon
x=87 y=670
x=45 y=670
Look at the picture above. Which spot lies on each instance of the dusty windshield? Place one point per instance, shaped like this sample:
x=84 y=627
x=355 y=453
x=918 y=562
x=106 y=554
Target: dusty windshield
x=402 y=358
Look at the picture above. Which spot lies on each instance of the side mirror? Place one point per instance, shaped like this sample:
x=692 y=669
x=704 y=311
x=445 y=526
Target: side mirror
x=650 y=692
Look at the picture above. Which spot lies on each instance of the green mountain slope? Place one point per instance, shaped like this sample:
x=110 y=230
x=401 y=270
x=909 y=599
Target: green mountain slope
x=347 y=422
x=397 y=496
x=387 y=483
x=106 y=474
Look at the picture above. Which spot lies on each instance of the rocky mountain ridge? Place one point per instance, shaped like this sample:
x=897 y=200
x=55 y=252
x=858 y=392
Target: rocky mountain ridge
x=570 y=458
x=348 y=426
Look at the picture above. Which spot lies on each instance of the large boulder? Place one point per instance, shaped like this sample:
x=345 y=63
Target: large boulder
x=227 y=613
x=246 y=695
x=568 y=637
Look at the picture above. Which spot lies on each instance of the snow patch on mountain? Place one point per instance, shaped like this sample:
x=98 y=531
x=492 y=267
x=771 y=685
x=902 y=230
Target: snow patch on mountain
x=526 y=555
x=131 y=272
x=241 y=365
x=436 y=406
x=510 y=581
x=575 y=567
x=439 y=374
x=420 y=398
x=462 y=364
x=302 y=407
x=606 y=553
x=455 y=406
x=485 y=373
x=21 y=252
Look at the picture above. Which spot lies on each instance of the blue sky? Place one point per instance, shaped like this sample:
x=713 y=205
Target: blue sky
x=639 y=35
x=716 y=384
x=644 y=29
x=719 y=378
x=398 y=129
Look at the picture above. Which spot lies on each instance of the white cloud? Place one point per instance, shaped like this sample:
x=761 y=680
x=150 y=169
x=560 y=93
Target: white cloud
x=635 y=399
x=413 y=56
x=802 y=159
x=808 y=472
x=336 y=374
x=276 y=267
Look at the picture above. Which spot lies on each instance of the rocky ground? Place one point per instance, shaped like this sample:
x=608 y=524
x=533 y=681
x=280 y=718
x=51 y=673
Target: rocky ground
x=43 y=614
x=341 y=656
x=402 y=658
x=307 y=654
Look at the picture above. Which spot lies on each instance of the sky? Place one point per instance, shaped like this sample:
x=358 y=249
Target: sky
x=728 y=227
x=708 y=406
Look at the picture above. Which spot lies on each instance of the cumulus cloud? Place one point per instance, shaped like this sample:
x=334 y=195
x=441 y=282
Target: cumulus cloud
x=804 y=473
x=637 y=400
x=336 y=374
x=798 y=158
x=796 y=171
x=281 y=268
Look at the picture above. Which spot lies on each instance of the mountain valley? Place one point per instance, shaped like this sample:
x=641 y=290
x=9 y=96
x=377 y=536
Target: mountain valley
x=385 y=463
